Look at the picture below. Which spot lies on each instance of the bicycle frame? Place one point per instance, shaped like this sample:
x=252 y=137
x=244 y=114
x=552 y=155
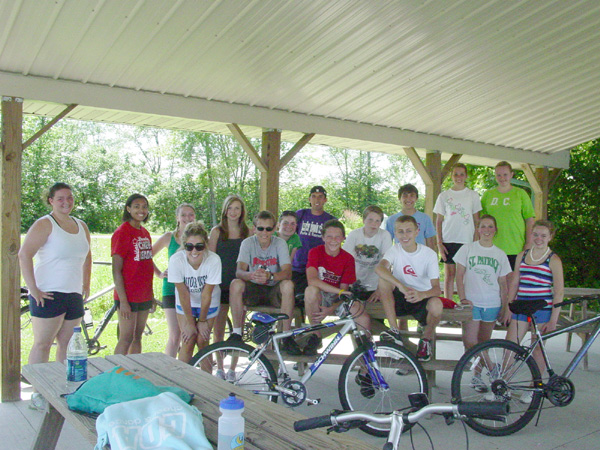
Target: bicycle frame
x=578 y=356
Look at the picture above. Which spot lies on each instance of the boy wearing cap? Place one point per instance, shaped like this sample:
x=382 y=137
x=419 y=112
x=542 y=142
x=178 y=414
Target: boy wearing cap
x=310 y=223
x=408 y=196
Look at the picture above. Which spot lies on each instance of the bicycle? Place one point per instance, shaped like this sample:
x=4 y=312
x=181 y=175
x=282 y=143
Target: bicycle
x=341 y=421
x=376 y=376
x=507 y=372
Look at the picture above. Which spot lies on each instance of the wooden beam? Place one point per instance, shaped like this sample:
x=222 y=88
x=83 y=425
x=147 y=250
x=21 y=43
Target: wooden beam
x=540 y=184
x=247 y=146
x=10 y=242
x=554 y=174
x=49 y=125
x=433 y=163
x=418 y=164
x=533 y=181
x=449 y=165
x=295 y=149
x=269 y=181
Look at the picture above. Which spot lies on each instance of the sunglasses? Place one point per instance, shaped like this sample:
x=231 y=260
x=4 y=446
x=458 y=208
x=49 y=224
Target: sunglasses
x=199 y=246
x=264 y=228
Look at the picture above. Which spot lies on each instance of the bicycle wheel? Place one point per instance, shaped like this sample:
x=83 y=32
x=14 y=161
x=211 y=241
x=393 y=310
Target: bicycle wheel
x=258 y=376
x=497 y=370
x=360 y=390
x=25 y=316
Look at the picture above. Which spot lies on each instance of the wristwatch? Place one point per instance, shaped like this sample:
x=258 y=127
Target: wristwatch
x=271 y=276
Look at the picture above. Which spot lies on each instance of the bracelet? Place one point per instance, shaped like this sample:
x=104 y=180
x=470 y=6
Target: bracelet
x=203 y=321
x=340 y=293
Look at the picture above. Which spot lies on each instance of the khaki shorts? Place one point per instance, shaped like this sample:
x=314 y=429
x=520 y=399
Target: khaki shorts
x=262 y=295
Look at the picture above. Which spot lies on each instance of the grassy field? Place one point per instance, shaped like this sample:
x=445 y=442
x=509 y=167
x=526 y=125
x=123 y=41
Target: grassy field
x=101 y=278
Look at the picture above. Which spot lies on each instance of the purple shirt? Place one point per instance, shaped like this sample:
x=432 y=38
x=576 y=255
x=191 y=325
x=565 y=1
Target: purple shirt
x=309 y=230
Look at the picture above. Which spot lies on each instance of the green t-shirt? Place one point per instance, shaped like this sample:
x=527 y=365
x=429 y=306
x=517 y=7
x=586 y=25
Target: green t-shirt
x=292 y=243
x=169 y=288
x=511 y=210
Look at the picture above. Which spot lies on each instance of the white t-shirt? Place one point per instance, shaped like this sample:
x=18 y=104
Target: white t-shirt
x=209 y=272
x=484 y=265
x=415 y=270
x=367 y=252
x=458 y=208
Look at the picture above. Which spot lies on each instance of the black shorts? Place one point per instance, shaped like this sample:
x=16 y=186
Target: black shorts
x=68 y=303
x=300 y=284
x=417 y=310
x=262 y=295
x=136 y=307
x=224 y=296
x=451 y=248
x=168 y=301
x=512 y=259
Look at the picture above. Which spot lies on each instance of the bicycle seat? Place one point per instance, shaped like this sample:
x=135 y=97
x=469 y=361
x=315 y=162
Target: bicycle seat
x=527 y=307
x=259 y=317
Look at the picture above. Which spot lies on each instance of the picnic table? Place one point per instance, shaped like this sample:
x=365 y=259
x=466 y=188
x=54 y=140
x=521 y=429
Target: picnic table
x=268 y=425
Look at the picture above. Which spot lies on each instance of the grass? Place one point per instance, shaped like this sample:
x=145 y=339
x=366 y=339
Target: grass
x=102 y=278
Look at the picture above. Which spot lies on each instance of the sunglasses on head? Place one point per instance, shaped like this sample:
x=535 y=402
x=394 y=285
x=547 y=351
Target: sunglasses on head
x=264 y=228
x=199 y=246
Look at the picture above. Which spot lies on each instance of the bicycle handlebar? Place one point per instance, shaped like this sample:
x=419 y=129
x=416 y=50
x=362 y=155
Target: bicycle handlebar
x=312 y=423
x=468 y=409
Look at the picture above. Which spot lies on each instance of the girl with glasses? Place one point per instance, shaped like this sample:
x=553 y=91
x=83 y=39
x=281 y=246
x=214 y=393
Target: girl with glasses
x=185 y=213
x=196 y=273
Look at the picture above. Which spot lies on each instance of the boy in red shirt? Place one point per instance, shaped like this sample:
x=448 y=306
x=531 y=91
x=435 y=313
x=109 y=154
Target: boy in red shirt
x=329 y=271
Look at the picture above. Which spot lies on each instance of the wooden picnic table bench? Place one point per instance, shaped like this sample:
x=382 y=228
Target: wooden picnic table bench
x=269 y=426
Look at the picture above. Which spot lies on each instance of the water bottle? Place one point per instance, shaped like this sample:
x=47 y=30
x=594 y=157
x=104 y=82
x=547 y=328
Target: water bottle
x=76 y=360
x=231 y=424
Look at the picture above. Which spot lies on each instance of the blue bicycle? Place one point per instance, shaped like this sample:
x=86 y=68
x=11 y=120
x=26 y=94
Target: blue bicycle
x=377 y=377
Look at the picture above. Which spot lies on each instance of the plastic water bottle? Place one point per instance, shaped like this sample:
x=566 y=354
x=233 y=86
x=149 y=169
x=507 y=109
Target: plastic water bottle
x=76 y=360
x=231 y=424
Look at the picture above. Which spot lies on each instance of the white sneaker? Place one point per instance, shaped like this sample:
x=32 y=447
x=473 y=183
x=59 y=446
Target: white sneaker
x=491 y=397
x=496 y=372
x=38 y=402
x=230 y=376
x=526 y=397
x=477 y=384
x=220 y=374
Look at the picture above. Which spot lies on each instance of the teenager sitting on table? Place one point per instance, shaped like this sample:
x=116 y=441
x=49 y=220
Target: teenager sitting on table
x=330 y=271
x=288 y=222
x=263 y=277
x=413 y=287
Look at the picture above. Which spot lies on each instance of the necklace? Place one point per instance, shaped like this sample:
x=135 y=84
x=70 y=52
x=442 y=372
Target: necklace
x=542 y=257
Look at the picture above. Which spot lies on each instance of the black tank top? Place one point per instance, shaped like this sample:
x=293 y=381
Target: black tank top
x=228 y=251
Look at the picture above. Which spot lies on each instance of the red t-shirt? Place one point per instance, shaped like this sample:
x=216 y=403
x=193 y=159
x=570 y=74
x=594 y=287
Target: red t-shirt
x=333 y=270
x=135 y=247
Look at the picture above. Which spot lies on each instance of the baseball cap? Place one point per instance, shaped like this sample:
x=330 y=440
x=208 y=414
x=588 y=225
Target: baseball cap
x=319 y=189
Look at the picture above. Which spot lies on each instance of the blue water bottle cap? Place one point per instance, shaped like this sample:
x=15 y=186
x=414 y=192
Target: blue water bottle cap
x=232 y=402
x=77 y=330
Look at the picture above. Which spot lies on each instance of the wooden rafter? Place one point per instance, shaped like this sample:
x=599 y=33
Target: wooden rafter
x=247 y=146
x=450 y=164
x=295 y=149
x=418 y=165
x=49 y=125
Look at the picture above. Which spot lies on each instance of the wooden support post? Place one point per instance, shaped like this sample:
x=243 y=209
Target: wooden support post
x=433 y=162
x=10 y=241
x=269 y=180
x=540 y=184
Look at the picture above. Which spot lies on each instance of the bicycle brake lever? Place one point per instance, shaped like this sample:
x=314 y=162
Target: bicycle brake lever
x=449 y=418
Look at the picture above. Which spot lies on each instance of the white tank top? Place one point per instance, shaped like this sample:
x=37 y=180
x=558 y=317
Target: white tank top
x=59 y=262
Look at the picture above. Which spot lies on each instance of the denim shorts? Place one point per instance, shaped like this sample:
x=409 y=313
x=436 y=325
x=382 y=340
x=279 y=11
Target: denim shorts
x=486 y=314
x=541 y=316
x=212 y=312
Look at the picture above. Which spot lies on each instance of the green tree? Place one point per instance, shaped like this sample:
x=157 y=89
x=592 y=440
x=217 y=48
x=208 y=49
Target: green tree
x=574 y=206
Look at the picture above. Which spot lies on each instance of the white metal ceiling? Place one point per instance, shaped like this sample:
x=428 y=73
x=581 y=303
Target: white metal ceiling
x=515 y=80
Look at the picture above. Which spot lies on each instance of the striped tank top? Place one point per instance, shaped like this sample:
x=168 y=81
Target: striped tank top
x=535 y=281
